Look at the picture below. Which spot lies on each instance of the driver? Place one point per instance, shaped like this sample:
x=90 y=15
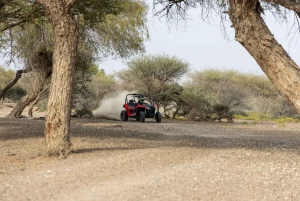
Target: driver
x=141 y=101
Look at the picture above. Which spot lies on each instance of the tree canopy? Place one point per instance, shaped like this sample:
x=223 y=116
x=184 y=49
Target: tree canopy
x=154 y=75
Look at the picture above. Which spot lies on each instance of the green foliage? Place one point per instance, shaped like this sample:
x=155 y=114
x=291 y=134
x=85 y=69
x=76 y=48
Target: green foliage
x=195 y=104
x=15 y=93
x=84 y=112
x=6 y=76
x=164 y=69
x=248 y=96
x=253 y=116
x=222 y=111
x=118 y=31
x=221 y=87
x=42 y=105
x=258 y=117
x=101 y=85
x=286 y=120
x=18 y=12
x=282 y=125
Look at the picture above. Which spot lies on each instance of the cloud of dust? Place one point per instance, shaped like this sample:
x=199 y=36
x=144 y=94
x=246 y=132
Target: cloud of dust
x=111 y=107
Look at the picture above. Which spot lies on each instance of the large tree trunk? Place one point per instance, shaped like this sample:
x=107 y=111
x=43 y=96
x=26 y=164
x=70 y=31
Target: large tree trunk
x=252 y=32
x=64 y=27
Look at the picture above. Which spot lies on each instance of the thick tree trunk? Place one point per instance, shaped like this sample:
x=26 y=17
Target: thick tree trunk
x=252 y=32
x=64 y=27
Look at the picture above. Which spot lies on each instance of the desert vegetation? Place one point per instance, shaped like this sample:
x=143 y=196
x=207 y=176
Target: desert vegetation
x=208 y=95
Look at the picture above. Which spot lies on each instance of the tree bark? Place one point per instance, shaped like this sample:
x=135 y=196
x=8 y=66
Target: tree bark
x=253 y=34
x=64 y=27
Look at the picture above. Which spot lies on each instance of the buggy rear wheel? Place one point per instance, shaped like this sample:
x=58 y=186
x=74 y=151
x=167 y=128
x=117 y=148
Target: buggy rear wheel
x=123 y=116
x=142 y=116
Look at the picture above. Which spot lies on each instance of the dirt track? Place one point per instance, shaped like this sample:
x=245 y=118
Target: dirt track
x=173 y=160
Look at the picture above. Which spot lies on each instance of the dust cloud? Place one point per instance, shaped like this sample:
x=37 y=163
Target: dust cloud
x=111 y=107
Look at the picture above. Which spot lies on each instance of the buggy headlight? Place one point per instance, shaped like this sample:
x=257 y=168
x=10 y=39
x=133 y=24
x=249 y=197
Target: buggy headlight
x=148 y=108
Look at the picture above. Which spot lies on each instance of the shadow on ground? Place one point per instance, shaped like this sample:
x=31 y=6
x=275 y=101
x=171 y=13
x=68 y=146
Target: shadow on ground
x=123 y=138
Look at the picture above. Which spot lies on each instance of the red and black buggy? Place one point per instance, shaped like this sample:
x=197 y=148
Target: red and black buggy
x=135 y=107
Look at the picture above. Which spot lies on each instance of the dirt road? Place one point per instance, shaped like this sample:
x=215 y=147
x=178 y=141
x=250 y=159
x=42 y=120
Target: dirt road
x=173 y=160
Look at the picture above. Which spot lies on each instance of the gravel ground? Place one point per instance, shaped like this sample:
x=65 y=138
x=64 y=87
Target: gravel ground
x=173 y=160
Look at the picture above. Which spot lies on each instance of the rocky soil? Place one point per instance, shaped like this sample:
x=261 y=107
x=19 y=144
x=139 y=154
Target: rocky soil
x=173 y=160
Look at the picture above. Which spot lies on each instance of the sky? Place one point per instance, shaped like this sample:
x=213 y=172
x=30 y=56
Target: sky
x=203 y=45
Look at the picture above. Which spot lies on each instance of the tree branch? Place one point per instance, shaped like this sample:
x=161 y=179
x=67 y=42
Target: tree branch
x=70 y=2
x=4 y=2
x=12 y=25
x=289 y=4
x=18 y=76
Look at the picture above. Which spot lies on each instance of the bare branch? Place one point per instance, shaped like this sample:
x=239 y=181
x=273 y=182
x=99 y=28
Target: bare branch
x=289 y=4
x=70 y=2
x=13 y=25
x=18 y=76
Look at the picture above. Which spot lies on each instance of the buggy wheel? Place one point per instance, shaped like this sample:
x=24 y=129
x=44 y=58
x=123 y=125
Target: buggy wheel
x=142 y=116
x=123 y=116
x=158 y=117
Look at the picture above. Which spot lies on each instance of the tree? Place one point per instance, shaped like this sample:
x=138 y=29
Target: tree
x=225 y=87
x=263 y=93
x=170 y=99
x=153 y=75
x=102 y=85
x=65 y=17
x=196 y=104
x=253 y=34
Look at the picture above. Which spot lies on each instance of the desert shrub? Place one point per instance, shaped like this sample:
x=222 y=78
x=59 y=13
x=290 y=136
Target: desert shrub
x=15 y=93
x=286 y=120
x=253 y=116
x=42 y=105
x=222 y=111
x=84 y=112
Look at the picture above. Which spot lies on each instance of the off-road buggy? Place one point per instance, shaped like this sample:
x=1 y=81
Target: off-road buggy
x=135 y=109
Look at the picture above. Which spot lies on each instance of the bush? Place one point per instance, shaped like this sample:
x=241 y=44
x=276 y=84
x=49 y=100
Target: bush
x=222 y=111
x=84 y=112
x=253 y=116
x=286 y=120
x=15 y=93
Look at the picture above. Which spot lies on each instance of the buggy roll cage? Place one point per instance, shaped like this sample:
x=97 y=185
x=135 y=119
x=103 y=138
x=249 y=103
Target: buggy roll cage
x=138 y=96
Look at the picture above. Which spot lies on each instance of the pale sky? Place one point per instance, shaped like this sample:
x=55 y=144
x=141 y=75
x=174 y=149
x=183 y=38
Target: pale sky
x=204 y=46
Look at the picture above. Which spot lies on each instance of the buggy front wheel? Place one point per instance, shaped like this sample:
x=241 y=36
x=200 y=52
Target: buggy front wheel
x=123 y=116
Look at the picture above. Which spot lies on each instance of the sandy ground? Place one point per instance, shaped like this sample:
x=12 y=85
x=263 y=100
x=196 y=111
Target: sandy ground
x=173 y=160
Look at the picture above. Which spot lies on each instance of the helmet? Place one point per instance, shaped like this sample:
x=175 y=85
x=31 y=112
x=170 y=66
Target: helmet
x=141 y=100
